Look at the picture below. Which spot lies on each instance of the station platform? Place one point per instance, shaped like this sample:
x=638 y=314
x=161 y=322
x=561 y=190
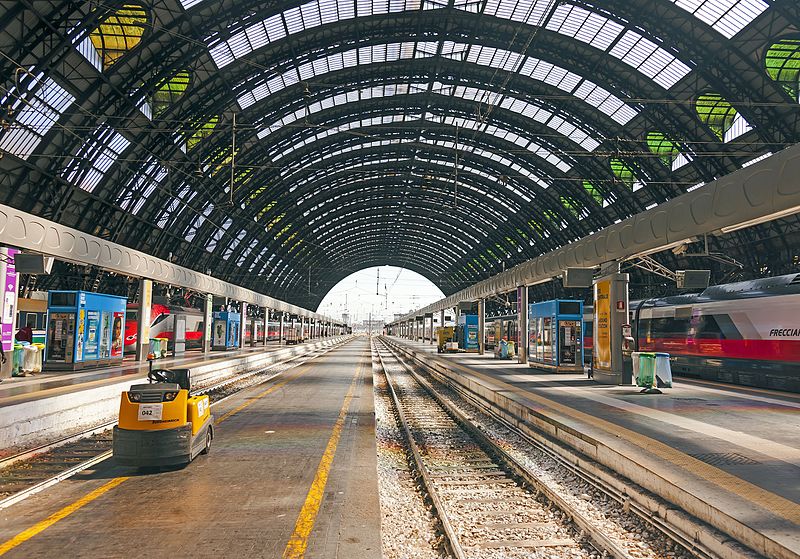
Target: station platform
x=49 y=406
x=45 y=384
x=292 y=472
x=729 y=455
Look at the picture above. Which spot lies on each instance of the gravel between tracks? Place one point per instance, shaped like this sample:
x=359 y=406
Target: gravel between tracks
x=407 y=526
x=634 y=535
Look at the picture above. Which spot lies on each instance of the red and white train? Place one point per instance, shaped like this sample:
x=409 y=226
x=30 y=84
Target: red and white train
x=161 y=326
x=744 y=333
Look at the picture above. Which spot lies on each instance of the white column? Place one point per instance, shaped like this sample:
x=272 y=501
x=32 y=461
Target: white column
x=143 y=328
x=243 y=326
x=522 y=323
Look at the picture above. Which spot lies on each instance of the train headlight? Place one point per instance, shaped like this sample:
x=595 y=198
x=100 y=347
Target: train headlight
x=134 y=397
x=169 y=396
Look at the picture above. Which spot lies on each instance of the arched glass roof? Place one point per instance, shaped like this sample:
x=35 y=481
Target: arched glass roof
x=288 y=144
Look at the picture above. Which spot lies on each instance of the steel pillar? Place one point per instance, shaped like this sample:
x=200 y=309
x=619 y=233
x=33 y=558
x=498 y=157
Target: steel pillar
x=481 y=326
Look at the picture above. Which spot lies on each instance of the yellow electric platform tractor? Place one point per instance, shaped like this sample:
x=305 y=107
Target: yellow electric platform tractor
x=160 y=424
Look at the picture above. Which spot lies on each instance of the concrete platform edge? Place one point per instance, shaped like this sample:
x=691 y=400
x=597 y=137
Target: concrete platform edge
x=30 y=423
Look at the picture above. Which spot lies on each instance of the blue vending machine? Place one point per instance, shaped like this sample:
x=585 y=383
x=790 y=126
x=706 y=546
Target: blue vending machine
x=84 y=329
x=555 y=335
x=467 y=332
x=225 y=330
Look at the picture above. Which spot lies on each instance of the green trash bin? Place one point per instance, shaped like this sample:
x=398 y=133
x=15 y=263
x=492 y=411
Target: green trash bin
x=16 y=362
x=646 y=373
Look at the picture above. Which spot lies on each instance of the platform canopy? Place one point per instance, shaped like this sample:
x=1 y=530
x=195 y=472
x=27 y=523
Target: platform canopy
x=285 y=145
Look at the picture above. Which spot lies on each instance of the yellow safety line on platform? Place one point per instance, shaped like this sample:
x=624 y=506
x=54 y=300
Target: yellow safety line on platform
x=63 y=513
x=767 y=500
x=69 y=509
x=298 y=542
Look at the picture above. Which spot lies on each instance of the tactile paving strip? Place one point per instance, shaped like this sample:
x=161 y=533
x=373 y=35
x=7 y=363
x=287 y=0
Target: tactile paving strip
x=725 y=459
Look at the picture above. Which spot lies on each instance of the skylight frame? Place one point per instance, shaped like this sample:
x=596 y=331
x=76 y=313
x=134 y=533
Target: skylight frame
x=101 y=150
x=37 y=108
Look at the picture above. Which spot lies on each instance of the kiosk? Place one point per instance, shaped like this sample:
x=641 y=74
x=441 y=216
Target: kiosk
x=555 y=337
x=467 y=332
x=84 y=330
x=225 y=330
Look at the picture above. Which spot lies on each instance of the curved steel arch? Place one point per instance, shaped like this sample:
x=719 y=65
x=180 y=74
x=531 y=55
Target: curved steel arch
x=721 y=65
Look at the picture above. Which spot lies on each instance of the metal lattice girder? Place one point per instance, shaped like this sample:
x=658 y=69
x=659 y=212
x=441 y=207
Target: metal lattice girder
x=41 y=36
x=763 y=191
x=30 y=232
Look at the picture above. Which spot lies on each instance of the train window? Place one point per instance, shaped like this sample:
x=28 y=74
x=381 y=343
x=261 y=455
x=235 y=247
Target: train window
x=159 y=319
x=708 y=328
x=31 y=320
x=588 y=328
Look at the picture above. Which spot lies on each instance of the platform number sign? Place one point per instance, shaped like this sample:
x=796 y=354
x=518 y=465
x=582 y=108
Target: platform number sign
x=150 y=412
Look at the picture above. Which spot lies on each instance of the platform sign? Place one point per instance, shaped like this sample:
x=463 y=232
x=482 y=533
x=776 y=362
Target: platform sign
x=8 y=274
x=602 y=327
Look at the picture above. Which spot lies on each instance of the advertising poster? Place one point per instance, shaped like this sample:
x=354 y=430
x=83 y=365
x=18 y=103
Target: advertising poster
x=602 y=335
x=219 y=333
x=116 y=334
x=105 y=335
x=90 y=351
x=9 y=300
x=81 y=325
x=233 y=338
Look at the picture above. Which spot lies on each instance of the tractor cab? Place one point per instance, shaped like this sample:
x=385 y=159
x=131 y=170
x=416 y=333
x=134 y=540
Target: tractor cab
x=161 y=423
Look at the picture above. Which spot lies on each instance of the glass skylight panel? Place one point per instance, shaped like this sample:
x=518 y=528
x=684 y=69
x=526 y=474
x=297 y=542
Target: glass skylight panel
x=95 y=157
x=757 y=159
x=588 y=27
x=680 y=161
x=37 y=104
x=86 y=48
x=139 y=188
x=650 y=59
x=726 y=16
x=738 y=127
x=605 y=102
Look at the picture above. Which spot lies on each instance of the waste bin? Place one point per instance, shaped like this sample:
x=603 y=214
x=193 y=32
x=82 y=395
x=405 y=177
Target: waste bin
x=29 y=354
x=635 y=365
x=37 y=368
x=646 y=371
x=512 y=349
x=158 y=346
x=663 y=370
x=16 y=361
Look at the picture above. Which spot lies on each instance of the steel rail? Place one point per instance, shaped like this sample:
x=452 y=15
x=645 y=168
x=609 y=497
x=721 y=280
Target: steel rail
x=688 y=541
x=453 y=543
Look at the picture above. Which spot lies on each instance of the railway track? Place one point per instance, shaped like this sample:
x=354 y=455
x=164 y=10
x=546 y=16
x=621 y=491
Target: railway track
x=486 y=503
x=34 y=470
